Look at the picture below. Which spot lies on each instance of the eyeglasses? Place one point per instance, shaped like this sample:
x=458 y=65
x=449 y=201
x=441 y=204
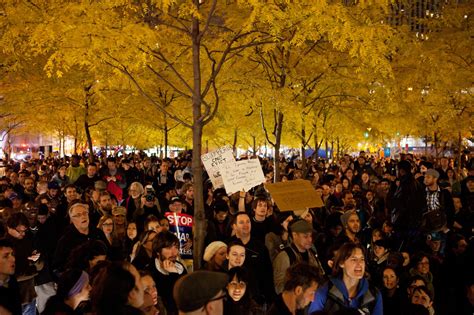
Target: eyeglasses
x=119 y=216
x=80 y=214
x=107 y=224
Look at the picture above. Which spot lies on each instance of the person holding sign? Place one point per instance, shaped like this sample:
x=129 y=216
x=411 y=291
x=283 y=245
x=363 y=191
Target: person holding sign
x=181 y=225
x=261 y=223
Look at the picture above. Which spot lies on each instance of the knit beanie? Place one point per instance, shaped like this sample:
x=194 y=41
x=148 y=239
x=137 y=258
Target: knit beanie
x=345 y=217
x=212 y=248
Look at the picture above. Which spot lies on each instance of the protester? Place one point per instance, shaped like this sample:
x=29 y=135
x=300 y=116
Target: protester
x=348 y=288
x=238 y=298
x=10 y=298
x=301 y=282
x=399 y=209
x=117 y=289
x=201 y=292
x=215 y=256
x=73 y=289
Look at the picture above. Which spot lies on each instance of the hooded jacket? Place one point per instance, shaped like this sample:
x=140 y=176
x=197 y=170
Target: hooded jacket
x=333 y=296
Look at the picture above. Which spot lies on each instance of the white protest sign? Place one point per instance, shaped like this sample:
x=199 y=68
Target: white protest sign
x=243 y=175
x=214 y=162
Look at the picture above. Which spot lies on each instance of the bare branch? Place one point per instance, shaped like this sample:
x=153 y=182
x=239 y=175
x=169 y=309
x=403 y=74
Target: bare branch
x=208 y=21
x=100 y=121
x=265 y=128
x=125 y=71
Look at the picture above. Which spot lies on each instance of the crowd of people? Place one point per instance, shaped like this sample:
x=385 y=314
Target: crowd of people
x=101 y=236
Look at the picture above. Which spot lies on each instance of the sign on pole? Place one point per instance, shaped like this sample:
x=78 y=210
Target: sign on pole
x=294 y=195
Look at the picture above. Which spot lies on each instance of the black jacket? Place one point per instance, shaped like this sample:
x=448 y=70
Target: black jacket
x=10 y=296
x=165 y=284
x=406 y=203
x=259 y=265
x=71 y=239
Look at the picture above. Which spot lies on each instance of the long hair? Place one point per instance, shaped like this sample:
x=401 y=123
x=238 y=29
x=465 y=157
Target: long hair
x=104 y=218
x=111 y=288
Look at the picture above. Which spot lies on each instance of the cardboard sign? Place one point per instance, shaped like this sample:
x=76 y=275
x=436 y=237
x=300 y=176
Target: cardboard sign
x=294 y=195
x=243 y=175
x=215 y=161
x=181 y=225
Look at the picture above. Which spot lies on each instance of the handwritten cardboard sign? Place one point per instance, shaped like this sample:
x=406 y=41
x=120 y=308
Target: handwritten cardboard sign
x=294 y=195
x=243 y=175
x=215 y=161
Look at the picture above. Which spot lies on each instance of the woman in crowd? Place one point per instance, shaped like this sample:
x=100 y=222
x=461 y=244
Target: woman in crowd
x=73 y=289
x=423 y=296
x=235 y=254
x=238 y=300
x=114 y=246
x=153 y=304
x=348 y=288
x=152 y=223
x=215 y=256
x=391 y=292
x=421 y=267
x=106 y=224
x=142 y=254
x=130 y=239
x=117 y=290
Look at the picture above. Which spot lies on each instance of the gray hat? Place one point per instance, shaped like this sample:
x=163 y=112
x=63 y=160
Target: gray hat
x=195 y=290
x=432 y=172
x=345 y=217
x=301 y=226
x=100 y=185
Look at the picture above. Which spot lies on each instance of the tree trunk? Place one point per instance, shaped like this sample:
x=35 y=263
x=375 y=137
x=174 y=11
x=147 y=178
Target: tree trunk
x=338 y=154
x=279 y=129
x=86 y=122
x=459 y=157
x=303 y=146
x=166 y=135
x=234 y=144
x=332 y=149
x=76 y=135
x=426 y=144
x=254 y=147
x=200 y=224
x=326 y=143
x=316 y=142
x=436 y=144
x=89 y=141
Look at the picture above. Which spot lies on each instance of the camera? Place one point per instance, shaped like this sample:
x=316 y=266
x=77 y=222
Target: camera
x=149 y=193
x=150 y=196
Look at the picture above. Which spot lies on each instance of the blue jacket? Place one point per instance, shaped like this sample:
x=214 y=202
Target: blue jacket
x=365 y=300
